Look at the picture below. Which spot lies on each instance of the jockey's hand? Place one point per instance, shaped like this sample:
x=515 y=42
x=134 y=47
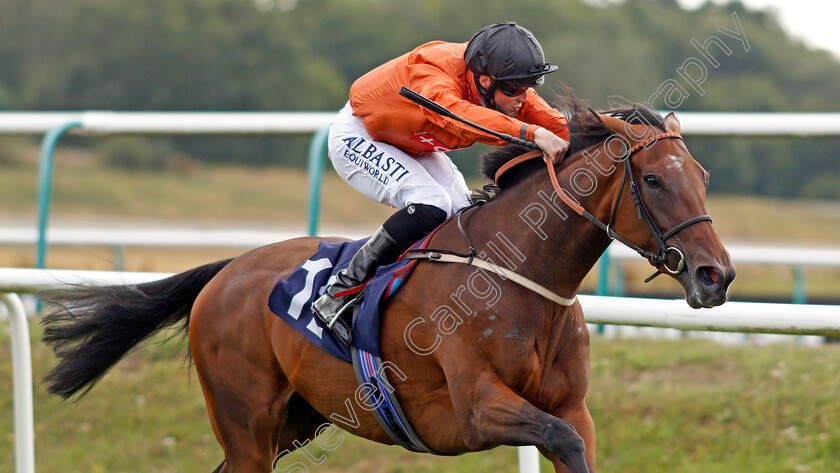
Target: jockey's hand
x=552 y=145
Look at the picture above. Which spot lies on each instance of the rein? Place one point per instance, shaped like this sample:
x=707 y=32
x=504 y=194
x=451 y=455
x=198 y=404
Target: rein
x=660 y=258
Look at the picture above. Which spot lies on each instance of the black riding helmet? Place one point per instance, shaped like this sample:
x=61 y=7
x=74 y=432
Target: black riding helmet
x=509 y=53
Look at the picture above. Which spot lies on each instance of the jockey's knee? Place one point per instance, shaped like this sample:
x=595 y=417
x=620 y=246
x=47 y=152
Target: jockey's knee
x=429 y=216
x=410 y=224
x=442 y=201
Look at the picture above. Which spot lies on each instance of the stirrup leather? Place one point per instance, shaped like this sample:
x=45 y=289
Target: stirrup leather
x=345 y=291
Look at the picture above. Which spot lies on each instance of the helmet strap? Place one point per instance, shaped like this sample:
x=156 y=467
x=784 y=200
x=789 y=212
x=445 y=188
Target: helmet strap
x=488 y=95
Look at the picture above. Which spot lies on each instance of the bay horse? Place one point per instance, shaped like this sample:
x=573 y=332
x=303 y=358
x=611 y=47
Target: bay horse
x=500 y=366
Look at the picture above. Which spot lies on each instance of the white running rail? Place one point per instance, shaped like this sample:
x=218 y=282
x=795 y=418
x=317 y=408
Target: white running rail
x=746 y=317
x=756 y=124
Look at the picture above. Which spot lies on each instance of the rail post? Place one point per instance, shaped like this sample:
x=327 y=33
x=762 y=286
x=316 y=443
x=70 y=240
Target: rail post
x=22 y=385
x=529 y=459
x=603 y=287
x=48 y=145
x=800 y=294
x=317 y=149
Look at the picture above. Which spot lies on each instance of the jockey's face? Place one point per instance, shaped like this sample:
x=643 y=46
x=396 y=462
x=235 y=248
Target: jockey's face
x=509 y=105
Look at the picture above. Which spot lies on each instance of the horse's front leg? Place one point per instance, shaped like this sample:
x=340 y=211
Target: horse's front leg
x=491 y=414
x=581 y=420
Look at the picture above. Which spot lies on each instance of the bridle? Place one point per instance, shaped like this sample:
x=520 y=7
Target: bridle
x=660 y=258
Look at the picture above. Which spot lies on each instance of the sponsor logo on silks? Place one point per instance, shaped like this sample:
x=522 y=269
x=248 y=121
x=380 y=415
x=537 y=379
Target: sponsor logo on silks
x=373 y=161
x=430 y=142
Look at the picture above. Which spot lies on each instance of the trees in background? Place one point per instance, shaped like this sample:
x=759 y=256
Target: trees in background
x=304 y=54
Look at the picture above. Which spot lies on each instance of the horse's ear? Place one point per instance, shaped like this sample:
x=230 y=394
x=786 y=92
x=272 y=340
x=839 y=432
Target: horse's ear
x=671 y=123
x=610 y=123
x=620 y=127
x=605 y=119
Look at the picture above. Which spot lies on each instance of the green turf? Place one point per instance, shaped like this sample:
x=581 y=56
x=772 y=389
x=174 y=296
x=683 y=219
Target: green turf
x=659 y=406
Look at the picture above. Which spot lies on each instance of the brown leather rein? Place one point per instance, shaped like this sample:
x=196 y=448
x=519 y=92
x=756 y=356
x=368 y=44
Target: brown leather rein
x=661 y=257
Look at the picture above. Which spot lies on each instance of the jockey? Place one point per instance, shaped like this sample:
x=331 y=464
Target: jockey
x=393 y=150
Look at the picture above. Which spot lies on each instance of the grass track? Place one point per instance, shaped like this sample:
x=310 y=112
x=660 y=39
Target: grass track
x=659 y=406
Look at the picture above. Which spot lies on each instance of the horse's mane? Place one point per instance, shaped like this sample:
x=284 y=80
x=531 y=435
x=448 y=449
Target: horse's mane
x=584 y=128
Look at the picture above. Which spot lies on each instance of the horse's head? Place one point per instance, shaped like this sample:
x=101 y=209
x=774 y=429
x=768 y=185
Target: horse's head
x=667 y=216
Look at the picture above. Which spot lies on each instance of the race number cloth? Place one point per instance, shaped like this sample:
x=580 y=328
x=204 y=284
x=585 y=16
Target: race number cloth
x=291 y=299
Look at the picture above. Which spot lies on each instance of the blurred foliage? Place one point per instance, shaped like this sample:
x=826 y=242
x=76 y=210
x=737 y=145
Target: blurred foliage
x=135 y=153
x=244 y=55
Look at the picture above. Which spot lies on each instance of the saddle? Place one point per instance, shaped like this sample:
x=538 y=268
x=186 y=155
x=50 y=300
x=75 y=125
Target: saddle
x=291 y=300
x=292 y=297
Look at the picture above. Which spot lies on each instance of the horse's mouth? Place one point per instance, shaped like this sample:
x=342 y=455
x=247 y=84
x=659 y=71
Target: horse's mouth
x=697 y=301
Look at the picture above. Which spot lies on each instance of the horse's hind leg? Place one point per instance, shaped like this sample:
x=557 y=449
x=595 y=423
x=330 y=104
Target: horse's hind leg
x=253 y=443
x=246 y=411
x=247 y=393
x=244 y=388
x=300 y=425
x=255 y=413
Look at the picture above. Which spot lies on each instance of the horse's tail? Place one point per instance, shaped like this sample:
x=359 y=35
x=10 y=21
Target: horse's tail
x=92 y=328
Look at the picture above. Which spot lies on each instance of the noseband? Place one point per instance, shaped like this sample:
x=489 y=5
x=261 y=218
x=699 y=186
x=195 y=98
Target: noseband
x=661 y=257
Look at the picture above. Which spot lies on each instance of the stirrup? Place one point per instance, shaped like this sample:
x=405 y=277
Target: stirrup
x=341 y=310
x=338 y=327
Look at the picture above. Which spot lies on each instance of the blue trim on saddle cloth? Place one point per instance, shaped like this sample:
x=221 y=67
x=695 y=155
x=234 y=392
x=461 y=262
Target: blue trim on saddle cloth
x=291 y=300
x=292 y=297
x=381 y=397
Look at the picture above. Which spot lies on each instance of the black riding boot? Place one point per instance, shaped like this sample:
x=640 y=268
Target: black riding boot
x=380 y=249
x=396 y=235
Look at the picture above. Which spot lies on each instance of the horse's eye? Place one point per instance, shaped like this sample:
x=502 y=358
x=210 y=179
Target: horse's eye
x=652 y=181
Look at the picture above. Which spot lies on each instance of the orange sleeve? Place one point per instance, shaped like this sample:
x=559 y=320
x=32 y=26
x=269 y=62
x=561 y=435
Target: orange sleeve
x=537 y=111
x=443 y=89
x=446 y=88
x=431 y=71
x=438 y=86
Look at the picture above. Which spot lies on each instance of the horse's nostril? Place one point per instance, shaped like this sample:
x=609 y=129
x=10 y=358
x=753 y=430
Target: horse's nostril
x=708 y=276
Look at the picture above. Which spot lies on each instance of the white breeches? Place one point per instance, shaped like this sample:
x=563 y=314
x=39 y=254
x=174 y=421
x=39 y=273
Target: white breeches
x=388 y=175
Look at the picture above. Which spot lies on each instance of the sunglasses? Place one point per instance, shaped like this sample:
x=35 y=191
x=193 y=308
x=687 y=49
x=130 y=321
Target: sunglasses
x=510 y=90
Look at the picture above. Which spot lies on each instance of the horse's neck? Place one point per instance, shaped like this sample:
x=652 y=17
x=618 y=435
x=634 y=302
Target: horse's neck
x=541 y=236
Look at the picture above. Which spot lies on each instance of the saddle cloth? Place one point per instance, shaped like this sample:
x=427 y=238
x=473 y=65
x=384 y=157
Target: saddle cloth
x=291 y=299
